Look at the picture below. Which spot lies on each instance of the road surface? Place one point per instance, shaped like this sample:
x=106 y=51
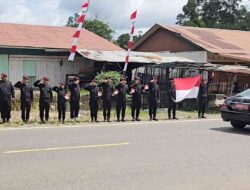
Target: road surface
x=168 y=155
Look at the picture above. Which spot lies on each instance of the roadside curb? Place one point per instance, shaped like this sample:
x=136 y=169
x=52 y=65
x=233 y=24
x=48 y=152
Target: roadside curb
x=113 y=124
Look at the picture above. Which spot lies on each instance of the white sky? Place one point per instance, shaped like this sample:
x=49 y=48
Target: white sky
x=115 y=12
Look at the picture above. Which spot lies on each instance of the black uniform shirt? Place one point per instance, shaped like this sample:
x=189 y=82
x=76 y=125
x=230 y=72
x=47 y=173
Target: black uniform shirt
x=203 y=90
x=136 y=96
x=154 y=92
x=26 y=91
x=46 y=94
x=6 y=91
x=93 y=90
x=61 y=93
x=122 y=89
x=107 y=91
x=172 y=93
x=74 y=92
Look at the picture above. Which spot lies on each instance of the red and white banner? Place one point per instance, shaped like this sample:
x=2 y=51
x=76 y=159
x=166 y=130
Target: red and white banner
x=187 y=88
x=77 y=34
x=131 y=39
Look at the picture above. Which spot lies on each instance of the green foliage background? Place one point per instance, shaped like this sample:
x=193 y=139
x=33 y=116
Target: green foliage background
x=223 y=14
x=95 y=25
x=113 y=74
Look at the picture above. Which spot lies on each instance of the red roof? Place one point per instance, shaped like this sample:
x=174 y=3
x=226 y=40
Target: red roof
x=215 y=40
x=229 y=43
x=35 y=36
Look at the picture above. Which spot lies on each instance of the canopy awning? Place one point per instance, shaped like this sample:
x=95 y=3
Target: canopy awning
x=233 y=69
x=135 y=57
x=163 y=59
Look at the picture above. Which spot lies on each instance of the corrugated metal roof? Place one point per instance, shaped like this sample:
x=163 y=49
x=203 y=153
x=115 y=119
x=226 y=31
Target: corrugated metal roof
x=135 y=57
x=234 y=69
x=161 y=58
x=34 y=36
x=228 y=43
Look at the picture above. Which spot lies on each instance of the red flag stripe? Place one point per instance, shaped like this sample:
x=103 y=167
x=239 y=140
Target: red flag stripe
x=73 y=49
x=130 y=44
x=85 y=5
x=81 y=19
x=127 y=59
x=132 y=30
x=187 y=83
x=133 y=16
x=77 y=34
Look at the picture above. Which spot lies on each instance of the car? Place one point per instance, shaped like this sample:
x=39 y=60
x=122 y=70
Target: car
x=236 y=110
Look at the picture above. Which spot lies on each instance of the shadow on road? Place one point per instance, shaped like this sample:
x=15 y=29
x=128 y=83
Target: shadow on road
x=245 y=131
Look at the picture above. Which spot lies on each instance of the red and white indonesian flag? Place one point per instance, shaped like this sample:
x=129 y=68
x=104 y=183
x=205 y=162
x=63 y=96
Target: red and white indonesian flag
x=187 y=88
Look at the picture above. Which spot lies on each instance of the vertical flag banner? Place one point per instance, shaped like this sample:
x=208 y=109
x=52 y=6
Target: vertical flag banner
x=77 y=34
x=131 y=39
x=187 y=88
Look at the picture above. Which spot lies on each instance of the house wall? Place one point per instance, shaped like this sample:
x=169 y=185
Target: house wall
x=163 y=40
x=45 y=65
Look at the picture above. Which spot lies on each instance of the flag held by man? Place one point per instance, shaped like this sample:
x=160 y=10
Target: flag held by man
x=187 y=88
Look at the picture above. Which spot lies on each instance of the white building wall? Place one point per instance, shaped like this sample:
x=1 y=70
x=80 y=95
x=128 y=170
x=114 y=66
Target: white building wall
x=46 y=66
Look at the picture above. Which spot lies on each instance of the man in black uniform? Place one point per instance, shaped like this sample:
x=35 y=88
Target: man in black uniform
x=136 y=89
x=6 y=93
x=93 y=99
x=26 y=97
x=74 y=89
x=46 y=97
x=107 y=91
x=154 y=98
x=202 y=96
x=61 y=101
x=121 y=92
x=172 y=100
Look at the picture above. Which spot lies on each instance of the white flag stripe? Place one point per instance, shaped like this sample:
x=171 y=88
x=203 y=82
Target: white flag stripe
x=84 y=9
x=75 y=41
x=125 y=67
x=129 y=50
x=79 y=27
x=131 y=38
x=186 y=94
x=72 y=57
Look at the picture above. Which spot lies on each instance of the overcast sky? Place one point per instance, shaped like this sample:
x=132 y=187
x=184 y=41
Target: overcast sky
x=114 y=12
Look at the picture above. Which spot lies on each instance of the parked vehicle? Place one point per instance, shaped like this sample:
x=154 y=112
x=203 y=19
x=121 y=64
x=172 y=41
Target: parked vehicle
x=236 y=110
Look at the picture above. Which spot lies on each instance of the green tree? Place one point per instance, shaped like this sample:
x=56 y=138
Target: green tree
x=190 y=15
x=123 y=39
x=95 y=25
x=225 y=14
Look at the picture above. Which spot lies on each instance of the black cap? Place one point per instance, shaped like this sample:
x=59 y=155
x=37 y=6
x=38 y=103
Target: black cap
x=155 y=78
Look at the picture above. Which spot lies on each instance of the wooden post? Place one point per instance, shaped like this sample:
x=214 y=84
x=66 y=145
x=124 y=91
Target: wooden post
x=220 y=82
x=234 y=77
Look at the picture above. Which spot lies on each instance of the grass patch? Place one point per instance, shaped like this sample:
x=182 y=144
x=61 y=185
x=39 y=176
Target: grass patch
x=84 y=117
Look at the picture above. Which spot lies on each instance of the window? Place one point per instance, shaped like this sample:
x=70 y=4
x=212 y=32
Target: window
x=4 y=64
x=29 y=69
x=245 y=93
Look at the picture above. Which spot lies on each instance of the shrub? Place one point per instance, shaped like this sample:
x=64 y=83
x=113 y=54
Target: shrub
x=113 y=74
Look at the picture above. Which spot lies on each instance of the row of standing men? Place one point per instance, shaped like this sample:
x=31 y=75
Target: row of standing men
x=105 y=91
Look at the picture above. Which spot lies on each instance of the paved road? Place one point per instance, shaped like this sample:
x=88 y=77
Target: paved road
x=168 y=155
